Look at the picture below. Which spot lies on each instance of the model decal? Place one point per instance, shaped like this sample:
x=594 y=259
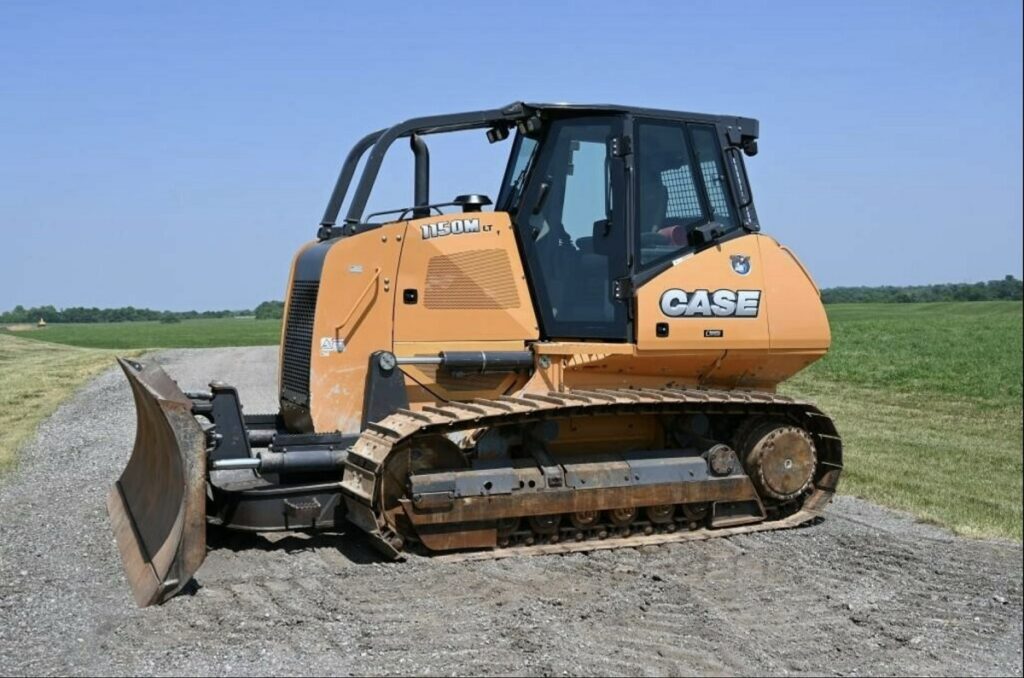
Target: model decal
x=676 y=303
x=453 y=227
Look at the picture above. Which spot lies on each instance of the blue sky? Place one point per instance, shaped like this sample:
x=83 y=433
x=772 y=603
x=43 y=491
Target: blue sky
x=175 y=155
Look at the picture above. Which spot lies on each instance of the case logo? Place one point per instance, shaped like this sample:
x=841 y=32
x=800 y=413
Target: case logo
x=740 y=263
x=676 y=303
x=453 y=227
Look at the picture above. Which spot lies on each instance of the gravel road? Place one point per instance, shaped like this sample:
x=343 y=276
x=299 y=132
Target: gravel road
x=868 y=591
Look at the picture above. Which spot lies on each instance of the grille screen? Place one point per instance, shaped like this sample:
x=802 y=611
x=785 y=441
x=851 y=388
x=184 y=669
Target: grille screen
x=475 y=280
x=298 y=338
x=682 y=192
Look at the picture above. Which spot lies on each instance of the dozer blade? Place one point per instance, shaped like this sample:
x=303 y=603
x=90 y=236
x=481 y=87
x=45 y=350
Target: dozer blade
x=158 y=506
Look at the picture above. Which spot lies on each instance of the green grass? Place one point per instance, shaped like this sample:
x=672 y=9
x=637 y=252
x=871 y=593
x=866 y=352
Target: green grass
x=199 y=333
x=36 y=375
x=927 y=398
x=34 y=378
x=964 y=350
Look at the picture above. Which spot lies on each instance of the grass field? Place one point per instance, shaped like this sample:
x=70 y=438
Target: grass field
x=34 y=378
x=199 y=333
x=926 y=396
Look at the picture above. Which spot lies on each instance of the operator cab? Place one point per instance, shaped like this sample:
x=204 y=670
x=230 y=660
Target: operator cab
x=586 y=228
x=602 y=198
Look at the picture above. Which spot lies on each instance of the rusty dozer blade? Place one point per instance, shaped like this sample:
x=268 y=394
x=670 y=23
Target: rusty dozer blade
x=158 y=506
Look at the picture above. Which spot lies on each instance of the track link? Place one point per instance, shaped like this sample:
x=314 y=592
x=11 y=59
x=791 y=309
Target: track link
x=362 y=480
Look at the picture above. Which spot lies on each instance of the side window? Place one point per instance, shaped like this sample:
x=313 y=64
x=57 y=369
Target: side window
x=575 y=267
x=575 y=243
x=681 y=185
x=709 y=155
x=587 y=193
x=669 y=198
x=523 y=152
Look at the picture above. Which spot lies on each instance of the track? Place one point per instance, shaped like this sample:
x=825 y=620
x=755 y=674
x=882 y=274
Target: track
x=867 y=590
x=633 y=541
x=365 y=471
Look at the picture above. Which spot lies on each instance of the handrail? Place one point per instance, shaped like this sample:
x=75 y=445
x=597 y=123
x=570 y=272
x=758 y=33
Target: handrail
x=356 y=306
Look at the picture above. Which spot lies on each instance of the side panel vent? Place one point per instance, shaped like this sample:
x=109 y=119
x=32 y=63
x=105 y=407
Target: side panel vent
x=472 y=280
x=298 y=341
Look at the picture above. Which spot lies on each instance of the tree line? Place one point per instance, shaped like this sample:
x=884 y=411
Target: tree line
x=1009 y=288
x=82 y=314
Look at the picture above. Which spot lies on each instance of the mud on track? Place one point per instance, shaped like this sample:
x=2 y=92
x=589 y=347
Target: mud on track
x=866 y=591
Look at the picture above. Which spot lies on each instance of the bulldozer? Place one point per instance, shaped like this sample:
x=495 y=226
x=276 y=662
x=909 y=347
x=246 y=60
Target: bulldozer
x=589 y=361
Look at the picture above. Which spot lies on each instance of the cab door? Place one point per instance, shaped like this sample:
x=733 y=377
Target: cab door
x=571 y=225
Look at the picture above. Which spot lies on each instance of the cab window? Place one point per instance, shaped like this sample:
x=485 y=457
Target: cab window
x=712 y=171
x=681 y=185
x=572 y=235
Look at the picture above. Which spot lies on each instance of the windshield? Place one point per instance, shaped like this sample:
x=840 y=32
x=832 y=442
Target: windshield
x=520 y=162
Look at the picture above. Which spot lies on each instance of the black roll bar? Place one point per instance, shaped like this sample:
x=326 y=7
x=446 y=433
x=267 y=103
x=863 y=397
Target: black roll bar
x=381 y=141
x=741 y=132
x=348 y=170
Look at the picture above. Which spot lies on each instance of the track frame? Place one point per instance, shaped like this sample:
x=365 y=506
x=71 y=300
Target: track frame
x=362 y=481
